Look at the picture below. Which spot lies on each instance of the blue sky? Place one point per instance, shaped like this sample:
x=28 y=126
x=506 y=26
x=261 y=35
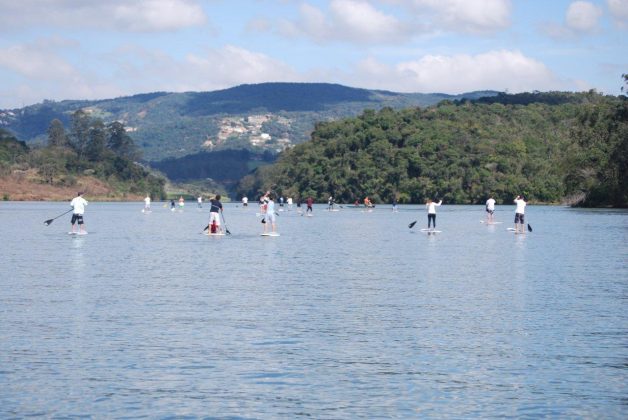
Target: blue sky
x=84 y=49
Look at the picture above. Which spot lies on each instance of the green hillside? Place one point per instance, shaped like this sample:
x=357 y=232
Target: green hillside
x=166 y=125
x=551 y=147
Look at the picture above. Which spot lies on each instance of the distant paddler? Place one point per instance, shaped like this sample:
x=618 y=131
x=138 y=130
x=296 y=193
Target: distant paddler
x=78 y=204
x=214 y=214
x=520 y=214
x=146 y=203
x=490 y=209
x=181 y=202
x=431 y=212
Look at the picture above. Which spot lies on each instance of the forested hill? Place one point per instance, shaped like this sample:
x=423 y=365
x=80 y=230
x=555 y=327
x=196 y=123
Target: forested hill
x=558 y=147
x=260 y=117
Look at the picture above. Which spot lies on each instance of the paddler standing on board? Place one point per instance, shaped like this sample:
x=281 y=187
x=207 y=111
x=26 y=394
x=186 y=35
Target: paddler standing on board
x=214 y=214
x=431 y=212
x=520 y=213
x=490 y=209
x=78 y=204
x=270 y=213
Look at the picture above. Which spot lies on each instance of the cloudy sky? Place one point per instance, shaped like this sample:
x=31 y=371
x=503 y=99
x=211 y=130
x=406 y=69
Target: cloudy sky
x=89 y=49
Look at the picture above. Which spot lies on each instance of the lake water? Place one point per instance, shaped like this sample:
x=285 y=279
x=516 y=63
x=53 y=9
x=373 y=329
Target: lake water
x=345 y=315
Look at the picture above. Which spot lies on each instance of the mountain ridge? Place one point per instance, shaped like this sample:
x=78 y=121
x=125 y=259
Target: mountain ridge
x=170 y=124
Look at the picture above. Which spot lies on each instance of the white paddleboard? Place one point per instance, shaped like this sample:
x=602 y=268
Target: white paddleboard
x=309 y=215
x=269 y=234
x=213 y=234
x=431 y=231
x=77 y=233
x=491 y=223
x=510 y=229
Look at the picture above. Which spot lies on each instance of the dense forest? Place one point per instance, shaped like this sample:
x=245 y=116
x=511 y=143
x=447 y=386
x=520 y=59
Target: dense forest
x=551 y=147
x=90 y=148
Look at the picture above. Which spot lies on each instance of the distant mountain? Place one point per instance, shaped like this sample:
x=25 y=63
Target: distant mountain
x=260 y=117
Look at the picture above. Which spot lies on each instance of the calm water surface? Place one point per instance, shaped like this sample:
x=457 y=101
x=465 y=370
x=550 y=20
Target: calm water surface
x=345 y=315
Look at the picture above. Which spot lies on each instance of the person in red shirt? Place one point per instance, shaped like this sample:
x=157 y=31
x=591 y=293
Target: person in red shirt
x=309 y=203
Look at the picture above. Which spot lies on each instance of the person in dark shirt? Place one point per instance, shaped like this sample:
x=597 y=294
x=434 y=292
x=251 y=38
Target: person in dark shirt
x=214 y=214
x=309 y=203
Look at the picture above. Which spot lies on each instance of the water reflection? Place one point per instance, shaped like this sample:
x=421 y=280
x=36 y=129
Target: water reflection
x=347 y=314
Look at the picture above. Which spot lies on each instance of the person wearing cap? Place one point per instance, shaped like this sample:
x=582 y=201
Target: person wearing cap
x=78 y=204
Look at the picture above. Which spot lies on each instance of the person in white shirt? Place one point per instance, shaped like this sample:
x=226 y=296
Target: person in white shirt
x=245 y=201
x=200 y=201
x=520 y=213
x=270 y=213
x=147 y=203
x=431 y=212
x=289 y=203
x=78 y=204
x=490 y=209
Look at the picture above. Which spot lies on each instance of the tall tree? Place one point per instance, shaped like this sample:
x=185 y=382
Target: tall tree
x=56 y=134
x=120 y=142
x=79 y=134
x=95 y=149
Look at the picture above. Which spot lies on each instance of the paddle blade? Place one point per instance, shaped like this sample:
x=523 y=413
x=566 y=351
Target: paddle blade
x=529 y=228
x=49 y=221
x=411 y=225
x=227 y=231
x=206 y=227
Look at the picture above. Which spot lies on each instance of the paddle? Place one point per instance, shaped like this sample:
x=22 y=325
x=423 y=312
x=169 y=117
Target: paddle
x=224 y=222
x=49 y=221
x=529 y=228
x=411 y=225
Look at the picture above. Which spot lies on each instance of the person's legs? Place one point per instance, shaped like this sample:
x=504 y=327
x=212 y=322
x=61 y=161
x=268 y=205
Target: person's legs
x=521 y=223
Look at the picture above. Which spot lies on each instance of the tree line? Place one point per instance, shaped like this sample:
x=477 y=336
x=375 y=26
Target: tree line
x=551 y=147
x=89 y=147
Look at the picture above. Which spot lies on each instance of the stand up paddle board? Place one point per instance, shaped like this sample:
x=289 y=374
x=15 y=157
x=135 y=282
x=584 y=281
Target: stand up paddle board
x=431 y=231
x=490 y=223
x=270 y=234
x=77 y=233
x=213 y=234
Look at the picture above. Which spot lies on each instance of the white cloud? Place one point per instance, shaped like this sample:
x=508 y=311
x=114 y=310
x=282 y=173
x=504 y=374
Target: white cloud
x=39 y=60
x=582 y=16
x=470 y=16
x=355 y=21
x=43 y=73
x=619 y=11
x=359 y=20
x=493 y=70
x=124 y=15
x=141 y=70
x=40 y=71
